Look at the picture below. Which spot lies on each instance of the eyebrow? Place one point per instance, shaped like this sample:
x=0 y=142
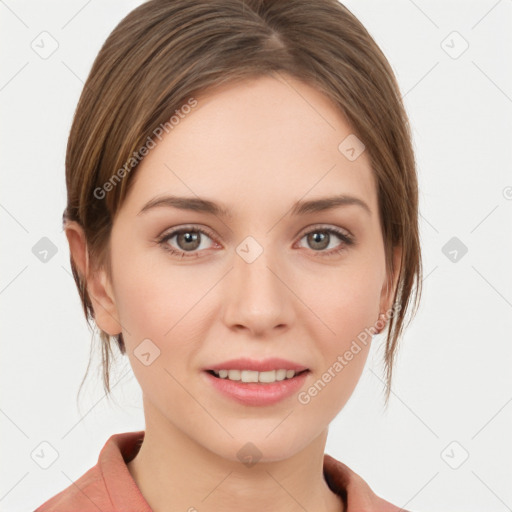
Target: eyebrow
x=198 y=204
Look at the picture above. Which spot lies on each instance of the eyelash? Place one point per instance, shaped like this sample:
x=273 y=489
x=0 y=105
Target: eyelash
x=347 y=240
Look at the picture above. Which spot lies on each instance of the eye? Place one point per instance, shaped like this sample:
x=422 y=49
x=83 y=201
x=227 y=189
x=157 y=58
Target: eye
x=321 y=238
x=189 y=241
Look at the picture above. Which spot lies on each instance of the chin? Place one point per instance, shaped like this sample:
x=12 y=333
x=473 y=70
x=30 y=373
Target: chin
x=260 y=445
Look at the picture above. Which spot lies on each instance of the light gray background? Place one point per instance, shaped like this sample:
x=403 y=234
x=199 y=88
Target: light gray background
x=452 y=379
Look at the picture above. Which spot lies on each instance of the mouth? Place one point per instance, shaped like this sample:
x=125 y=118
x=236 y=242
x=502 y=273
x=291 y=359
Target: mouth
x=253 y=388
x=252 y=376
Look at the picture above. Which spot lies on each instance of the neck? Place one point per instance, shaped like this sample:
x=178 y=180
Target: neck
x=175 y=472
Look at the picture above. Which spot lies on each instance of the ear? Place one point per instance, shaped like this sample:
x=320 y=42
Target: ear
x=388 y=290
x=96 y=281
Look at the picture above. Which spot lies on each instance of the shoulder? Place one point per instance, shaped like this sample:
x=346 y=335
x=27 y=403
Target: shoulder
x=108 y=486
x=86 y=493
x=355 y=492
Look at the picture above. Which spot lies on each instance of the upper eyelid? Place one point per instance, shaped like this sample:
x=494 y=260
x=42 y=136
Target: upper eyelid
x=326 y=227
x=179 y=229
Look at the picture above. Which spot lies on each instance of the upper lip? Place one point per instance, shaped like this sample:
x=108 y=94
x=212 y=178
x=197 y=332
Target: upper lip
x=263 y=365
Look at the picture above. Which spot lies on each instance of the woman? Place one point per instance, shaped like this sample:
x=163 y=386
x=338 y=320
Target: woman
x=242 y=218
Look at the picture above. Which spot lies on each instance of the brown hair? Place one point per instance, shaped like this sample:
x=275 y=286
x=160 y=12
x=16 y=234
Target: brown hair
x=165 y=51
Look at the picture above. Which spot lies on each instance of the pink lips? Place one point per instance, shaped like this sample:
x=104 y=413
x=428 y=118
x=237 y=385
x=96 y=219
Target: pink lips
x=245 y=363
x=257 y=394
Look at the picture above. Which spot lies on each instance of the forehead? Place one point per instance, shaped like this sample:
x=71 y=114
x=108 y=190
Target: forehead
x=257 y=140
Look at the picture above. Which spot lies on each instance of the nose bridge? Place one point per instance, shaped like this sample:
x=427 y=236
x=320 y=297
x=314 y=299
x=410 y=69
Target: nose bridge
x=256 y=297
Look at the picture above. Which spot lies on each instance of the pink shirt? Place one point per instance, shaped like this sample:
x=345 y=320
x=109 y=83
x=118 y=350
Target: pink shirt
x=109 y=486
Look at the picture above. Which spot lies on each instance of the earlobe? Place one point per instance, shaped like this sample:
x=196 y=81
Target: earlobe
x=96 y=281
x=389 y=288
x=105 y=311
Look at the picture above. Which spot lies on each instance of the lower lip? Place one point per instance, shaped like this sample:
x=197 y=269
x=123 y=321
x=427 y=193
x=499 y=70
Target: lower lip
x=252 y=393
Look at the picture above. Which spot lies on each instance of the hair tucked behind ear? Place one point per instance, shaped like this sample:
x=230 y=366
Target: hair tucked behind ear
x=165 y=51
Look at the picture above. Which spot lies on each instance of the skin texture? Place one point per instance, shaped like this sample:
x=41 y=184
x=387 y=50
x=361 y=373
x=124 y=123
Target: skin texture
x=256 y=147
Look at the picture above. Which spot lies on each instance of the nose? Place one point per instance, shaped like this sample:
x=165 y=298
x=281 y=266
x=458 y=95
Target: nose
x=257 y=297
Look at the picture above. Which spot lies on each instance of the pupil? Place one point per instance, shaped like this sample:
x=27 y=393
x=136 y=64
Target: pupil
x=318 y=240
x=189 y=237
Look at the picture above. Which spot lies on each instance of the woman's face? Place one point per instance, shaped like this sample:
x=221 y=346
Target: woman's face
x=267 y=280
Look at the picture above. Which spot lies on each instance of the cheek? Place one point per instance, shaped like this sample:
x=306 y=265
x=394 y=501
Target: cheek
x=345 y=301
x=348 y=307
x=162 y=302
x=344 y=305
x=155 y=307
x=146 y=304
x=153 y=294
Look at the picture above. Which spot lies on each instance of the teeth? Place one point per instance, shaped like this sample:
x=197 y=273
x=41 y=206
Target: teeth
x=280 y=374
x=253 y=376
x=269 y=376
x=248 y=376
